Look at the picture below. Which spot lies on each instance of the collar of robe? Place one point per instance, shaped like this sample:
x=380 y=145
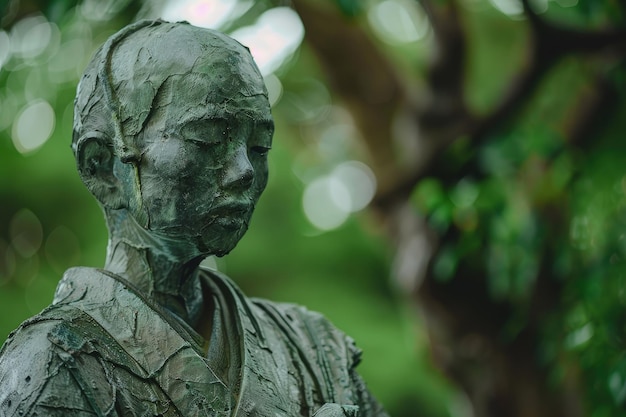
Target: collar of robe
x=165 y=348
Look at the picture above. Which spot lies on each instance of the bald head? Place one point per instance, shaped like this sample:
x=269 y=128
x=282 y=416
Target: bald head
x=140 y=69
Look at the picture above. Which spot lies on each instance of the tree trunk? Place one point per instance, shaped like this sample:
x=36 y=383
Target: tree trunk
x=499 y=369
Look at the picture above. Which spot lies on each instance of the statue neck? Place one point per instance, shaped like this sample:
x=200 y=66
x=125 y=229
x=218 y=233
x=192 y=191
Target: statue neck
x=164 y=270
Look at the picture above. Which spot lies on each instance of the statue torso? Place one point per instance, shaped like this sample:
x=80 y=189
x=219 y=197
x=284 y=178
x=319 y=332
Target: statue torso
x=102 y=349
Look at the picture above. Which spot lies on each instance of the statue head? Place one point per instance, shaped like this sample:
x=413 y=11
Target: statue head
x=172 y=127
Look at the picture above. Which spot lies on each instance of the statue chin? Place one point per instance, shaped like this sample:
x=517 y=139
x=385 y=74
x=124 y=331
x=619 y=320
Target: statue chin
x=223 y=234
x=219 y=244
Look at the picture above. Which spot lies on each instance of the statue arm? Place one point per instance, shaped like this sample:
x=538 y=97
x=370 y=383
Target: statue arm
x=345 y=358
x=333 y=358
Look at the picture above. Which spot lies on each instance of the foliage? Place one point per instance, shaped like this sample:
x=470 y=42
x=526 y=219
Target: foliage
x=513 y=169
x=524 y=202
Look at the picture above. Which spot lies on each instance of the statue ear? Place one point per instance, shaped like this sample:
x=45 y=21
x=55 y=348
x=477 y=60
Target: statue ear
x=95 y=159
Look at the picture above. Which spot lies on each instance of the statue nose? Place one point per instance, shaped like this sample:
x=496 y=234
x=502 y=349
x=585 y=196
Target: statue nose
x=239 y=172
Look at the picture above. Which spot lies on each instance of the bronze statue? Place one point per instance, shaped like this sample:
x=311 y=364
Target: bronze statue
x=171 y=133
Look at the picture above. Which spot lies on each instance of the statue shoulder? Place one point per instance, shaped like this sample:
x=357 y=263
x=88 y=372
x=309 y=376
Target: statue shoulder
x=308 y=329
x=36 y=369
x=62 y=363
x=313 y=329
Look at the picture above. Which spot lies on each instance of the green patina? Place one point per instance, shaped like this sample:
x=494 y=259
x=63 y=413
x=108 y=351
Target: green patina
x=171 y=135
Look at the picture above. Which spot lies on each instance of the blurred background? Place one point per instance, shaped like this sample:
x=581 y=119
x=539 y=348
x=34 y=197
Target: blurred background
x=447 y=185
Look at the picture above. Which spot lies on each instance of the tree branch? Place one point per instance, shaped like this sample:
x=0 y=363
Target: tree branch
x=549 y=44
x=445 y=75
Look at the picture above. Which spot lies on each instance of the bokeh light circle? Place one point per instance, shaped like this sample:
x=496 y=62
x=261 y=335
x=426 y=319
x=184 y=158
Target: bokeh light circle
x=33 y=126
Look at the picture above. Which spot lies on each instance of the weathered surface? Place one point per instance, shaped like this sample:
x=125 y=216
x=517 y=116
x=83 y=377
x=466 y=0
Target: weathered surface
x=171 y=134
x=102 y=349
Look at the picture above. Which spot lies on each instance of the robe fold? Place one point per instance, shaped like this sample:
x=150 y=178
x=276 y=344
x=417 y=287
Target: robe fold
x=102 y=349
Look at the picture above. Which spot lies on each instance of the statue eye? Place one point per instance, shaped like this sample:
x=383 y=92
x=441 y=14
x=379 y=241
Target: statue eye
x=260 y=140
x=207 y=131
x=260 y=150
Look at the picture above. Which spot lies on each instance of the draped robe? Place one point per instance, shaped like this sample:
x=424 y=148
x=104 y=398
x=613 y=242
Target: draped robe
x=103 y=349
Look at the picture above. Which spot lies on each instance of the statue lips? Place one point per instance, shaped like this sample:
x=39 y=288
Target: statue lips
x=231 y=215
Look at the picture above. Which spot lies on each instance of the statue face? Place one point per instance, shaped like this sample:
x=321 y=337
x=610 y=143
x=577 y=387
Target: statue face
x=204 y=160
